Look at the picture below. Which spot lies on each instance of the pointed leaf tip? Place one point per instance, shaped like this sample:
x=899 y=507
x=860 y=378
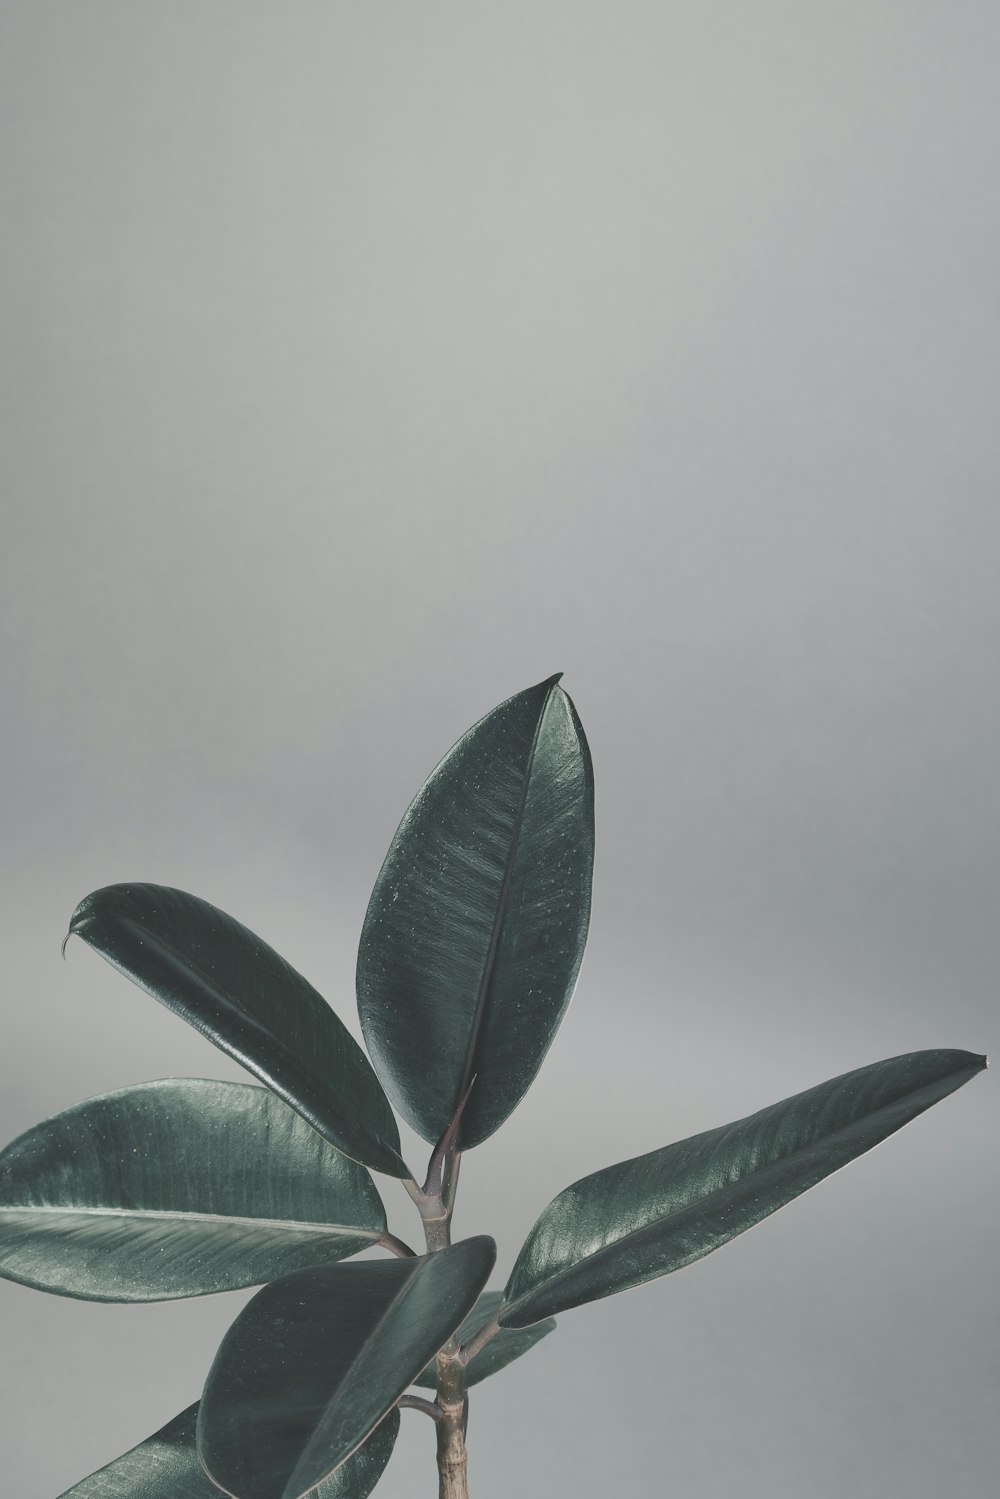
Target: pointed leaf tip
x=230 y=985
x=476 y=927
x=646 y=1217
x=317 y=1360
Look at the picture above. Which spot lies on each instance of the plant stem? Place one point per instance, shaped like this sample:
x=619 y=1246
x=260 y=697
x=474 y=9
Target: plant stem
x=452 y=1456
x=437 y=1229
x=479 y=1341
x=452 y=1401
x=412 y=1190
x=417 y=1403
x=436 y=1203
x=396 y=1246
x=453 y=1163
x=446 y=1148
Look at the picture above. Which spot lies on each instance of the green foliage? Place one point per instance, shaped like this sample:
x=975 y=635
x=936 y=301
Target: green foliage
x=645 y=1217
x=502 y=1349
x=316 y=1360
x=237 y=991
x=469 y=951
x=166 y=1466
x=177 y=1188
x=475 y=931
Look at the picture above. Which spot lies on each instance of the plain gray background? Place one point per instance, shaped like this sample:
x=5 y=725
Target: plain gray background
x=363 y=364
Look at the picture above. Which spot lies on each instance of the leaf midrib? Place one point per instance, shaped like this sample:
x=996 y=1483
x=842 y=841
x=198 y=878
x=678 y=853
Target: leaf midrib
x=486 y=979
x=371 y=1337
x=731 y=1187
x=297 y=1064
x=168 y=1215
x=208 y=980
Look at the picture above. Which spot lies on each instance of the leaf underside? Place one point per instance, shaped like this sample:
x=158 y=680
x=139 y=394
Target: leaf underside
x=177 y=1188
x=166 y=1466
x=477 y=923
x=251 y=1003
x=502 y=1349
x=658 y=1212
x=316 y=1360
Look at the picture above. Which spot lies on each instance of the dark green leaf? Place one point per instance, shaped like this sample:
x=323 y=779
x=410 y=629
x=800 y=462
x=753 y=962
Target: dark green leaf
x=477 y=923
x=502 y=1349
x=253 y=1005
x=177 y=1188
x=166 y=1466
x=642 y=1218
x=315 y=1361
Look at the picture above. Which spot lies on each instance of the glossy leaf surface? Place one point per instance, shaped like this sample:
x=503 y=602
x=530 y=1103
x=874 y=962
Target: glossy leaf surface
x=231 y=986
x=177 y=1188
x=502 y=1349
x=477 y=923
x=314 y=1362
x=645 y=1217
x=166 y=1466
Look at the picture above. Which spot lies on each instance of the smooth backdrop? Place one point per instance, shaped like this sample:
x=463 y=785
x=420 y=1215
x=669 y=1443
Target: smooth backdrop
x=364 y=364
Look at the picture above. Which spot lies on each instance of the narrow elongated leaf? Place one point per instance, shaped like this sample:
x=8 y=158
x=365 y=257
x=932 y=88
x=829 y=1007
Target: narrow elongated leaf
x=502 y=1349
x=314 y=1362
x=253 y=1005
x=477 y=923
x=177 y=1188
x=645 y=1217
x=166 y=1466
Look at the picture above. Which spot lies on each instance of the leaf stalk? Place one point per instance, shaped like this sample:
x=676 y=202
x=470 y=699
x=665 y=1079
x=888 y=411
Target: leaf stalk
x=446 y=1148
x=396 y=1246
x=418 y=1403
x=476 y=1344
x=435 y=1202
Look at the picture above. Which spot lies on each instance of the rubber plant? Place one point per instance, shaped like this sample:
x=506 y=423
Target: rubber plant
x=469 y=952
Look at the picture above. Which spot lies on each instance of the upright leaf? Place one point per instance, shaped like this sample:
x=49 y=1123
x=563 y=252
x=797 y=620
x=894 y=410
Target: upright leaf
x=643 y=1218
x=315 y=1361
x=166 y=1466
x=177 y=1188
x=477 y=923
x=253 y=1005
x=502 y=1349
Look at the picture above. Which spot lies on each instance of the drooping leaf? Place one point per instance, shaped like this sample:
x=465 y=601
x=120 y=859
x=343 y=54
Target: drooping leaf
x=502 y=1349
x=314 y=1362
x=645 y=1217
x=476 y=926
x=237 y=991
x=166 y=1466
x=177 y=1188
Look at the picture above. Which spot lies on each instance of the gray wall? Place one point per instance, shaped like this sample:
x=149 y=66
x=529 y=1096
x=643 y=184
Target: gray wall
x=364 y=364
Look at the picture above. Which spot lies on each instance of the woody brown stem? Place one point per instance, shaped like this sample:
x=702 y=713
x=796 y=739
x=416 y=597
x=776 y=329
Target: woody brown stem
x=418 y=1403
x=436 y=1202
x=452 y=1455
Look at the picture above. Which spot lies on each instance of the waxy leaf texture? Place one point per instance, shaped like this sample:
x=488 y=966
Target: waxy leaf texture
x=658 y=1212
x=177 y=1188
x=166 y=1466
x=251 y=1003
x=315 y=1361
x=476 y=926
